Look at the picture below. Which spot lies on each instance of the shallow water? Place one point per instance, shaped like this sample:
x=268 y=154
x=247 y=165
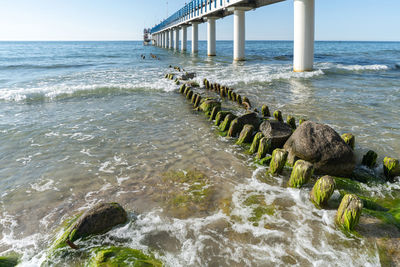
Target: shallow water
x=83 y=122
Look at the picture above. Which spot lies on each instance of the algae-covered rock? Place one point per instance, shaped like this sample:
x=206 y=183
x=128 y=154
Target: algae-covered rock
x=193 y=84
x=182 y=88
x=265 y=111
x=8 y=261
x=391 y=168
x=224 y=126
x=194 y=96
x=246 y=134
x=205 y=83
x=188 y=76
x=278 y=115
x=302 y=120
x=249 y=118
x=278 y=161
x=349 y=212
x=121 y=257
x=322 y=191
x=239 y=99
x=234 y=96
x=322 y=146
x=187 y=88
x=97 y=220
x=301 y=173
x=256 y=141
x=369 y=159
x=278 y=132
x=246 y=100
x=222 y=93
x=208 y=105
x=291 y=121
x=220 y=117
x=264 y=147
x=189 y=94
x=177 y=82
x=214 y=112
x=234 y=128
x=349 y=139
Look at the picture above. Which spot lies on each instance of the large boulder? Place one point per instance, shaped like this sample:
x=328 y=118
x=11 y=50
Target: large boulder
x=322 y=146
x=97 y=220
x=249 y=118
x=277 y=132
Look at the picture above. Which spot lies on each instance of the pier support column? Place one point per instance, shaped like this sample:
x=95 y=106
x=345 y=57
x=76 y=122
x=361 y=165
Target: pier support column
x=184 y=38
x=211 y=38
x=304 y=21
x=171 y=38
x=176 y=45
x=195 y=37
x=167 y=35
x=164 y=39
x=239 y=34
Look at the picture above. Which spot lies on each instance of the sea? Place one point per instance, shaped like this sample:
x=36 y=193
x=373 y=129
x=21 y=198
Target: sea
x=89 y=122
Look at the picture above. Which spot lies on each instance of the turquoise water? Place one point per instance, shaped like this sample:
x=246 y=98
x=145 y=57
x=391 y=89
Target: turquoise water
x=83 y=122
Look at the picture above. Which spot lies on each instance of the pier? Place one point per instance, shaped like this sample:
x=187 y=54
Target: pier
x=168 y=35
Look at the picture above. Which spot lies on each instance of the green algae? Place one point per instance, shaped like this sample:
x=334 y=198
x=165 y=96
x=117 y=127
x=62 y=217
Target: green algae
x=258 y=208
x=8 y=261
x=224 y=126
x=322 y=191
x=349 y=139
x=291 y=121
x=120 y=257
x=301 y=173
x=265 y=111
x=349 y=212
x=68 y=233
x=391 y=168
x=369 y=159
x=193 y=192
x=264 y=147
x=278 y=115
x=220 y=117
x=245 y=134
x=234 y=128
x=279 y=157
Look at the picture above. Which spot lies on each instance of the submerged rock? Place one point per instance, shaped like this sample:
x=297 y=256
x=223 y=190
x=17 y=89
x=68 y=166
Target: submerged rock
x=188 y=76
x=278 y=115
x=121 y=256
x=264 y=147
x=256 y=141
x=265 y=111
x=97 y=220
x=278 y=132
x=391 y=168
x=322 y=191
x=349 y=212
x=246 y=134
x=279 y=157
x=322 y=146
x=369 y=159
x=301 y=173
x=349 y=139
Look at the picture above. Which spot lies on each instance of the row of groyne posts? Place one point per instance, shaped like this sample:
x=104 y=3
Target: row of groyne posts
x=267 y=136
x=167 y=33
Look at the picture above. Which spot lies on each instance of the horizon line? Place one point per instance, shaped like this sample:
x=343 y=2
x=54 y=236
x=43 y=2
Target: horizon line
x=274 y=40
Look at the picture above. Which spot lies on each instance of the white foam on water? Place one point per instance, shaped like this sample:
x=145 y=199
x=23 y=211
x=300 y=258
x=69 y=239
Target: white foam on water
x=44 y=185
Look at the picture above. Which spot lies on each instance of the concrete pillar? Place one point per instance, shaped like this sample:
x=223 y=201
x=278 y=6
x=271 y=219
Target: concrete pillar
x=171 y=38
x=211 y=36
x=239 y=36
x=176 y=45
x=164 y=44
x=304 y=21
x=184 y=38
x=167 y=40
x=195 y=37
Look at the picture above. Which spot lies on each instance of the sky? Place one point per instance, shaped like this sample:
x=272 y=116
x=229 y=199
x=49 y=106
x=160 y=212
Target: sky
x=94 y=20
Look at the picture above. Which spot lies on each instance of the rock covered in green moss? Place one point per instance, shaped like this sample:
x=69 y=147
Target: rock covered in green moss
x=197 y=101
x=302 y=120
x=391 y=168
x=322 y=191
x=278 y=161
x=291 y=121
x=265 y=111
x=224 y=126
x=246 y=134
x=234 y=96
x=97 y=220
x=301 y=173
x=256 y=141
x=349 y=139
x=369 y=159
x=121 y=257
x=220 y=117
x=208 y=105
x=182 y=88
x=234 y=128
x=8 y=261
x=194 y=96
x=239 y=99
x=189 y=94
x=264 y=147
x=214 y=112
x=349 y=212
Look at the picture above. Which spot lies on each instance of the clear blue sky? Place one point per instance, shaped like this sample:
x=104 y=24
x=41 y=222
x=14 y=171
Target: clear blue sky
x=125 y=20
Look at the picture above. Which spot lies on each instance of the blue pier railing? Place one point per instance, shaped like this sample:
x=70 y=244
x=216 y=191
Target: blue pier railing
x=192 y=9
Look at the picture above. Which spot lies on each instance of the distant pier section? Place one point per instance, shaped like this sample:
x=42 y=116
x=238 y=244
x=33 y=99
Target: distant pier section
x=172 y=32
